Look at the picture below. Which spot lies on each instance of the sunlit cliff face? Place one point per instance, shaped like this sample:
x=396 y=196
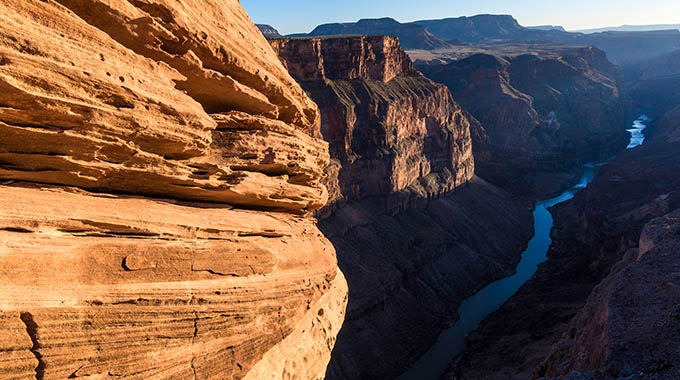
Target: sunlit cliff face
x=156 y=166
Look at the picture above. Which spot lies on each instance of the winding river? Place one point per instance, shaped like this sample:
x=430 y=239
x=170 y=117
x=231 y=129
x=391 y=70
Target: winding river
x=473 y=310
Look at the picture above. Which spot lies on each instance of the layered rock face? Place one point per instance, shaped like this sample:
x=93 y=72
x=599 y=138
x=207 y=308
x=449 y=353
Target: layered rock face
x=389 y=128
x=374 y=58
x=157 y=163
x=411 y=247
x=562 y=323
x=546 y=111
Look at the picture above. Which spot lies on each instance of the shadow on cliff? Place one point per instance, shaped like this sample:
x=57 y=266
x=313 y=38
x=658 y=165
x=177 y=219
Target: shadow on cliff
x=408 y=272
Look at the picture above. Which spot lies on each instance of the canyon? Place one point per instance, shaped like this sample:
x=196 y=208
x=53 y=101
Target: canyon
x=558 y=107
x=604 y=305
x=185 y=194
x=414 y=230
x=581 y=313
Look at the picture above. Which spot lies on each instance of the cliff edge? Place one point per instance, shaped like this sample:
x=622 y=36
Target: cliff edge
x=158 y=167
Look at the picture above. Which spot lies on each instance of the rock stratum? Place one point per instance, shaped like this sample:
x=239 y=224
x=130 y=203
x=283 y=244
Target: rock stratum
x=415 y=231
x=545 y=110
x=158 y=167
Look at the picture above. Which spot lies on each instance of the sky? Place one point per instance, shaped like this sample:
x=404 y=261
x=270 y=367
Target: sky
x=301 y=16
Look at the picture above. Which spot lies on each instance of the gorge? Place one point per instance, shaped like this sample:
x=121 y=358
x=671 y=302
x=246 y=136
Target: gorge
x=185 y=194
x=615 y=101
x=401 y=174
x=476 y=308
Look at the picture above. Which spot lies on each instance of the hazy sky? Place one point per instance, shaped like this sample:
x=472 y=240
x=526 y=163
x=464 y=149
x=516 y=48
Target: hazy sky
x=295 y=16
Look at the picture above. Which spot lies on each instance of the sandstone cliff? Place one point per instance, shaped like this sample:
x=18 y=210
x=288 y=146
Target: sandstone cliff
x=595 y=241
x=389 y=128
x=545 y=111
x=156 y=165
x=415 y=232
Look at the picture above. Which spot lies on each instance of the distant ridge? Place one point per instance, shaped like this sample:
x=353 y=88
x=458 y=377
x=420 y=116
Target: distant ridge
x=268 y=30
x=411 y=36
x=487 y=28
x=630 y=28
x=437 y=34
x=547 y=27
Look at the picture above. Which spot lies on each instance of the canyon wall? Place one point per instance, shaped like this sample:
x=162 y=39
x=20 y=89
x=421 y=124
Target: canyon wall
x=415 y=231
x=628 y=328
x=545 y=111
x=158 y=169
x=602 y=306
x=389 y=128
x=655 y=84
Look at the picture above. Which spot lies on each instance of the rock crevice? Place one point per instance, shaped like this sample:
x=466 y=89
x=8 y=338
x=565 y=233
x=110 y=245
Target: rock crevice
x=32 y=331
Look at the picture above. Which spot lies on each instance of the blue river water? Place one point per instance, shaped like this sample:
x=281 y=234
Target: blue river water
x=473 y=310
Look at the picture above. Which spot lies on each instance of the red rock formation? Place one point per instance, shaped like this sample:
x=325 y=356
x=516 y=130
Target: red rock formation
x=372 y=58
x=157 y=162
x=389 y=128
x=411 y=248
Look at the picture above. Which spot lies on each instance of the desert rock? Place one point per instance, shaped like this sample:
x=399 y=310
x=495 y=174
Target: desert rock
x=158 y=165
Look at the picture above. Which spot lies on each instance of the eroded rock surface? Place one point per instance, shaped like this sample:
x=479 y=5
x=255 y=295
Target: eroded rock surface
x=157 y=164
x=415 y=232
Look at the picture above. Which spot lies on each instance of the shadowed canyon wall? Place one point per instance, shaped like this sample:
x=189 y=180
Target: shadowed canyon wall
x=545 y=111
x=415 y=231
x=158 y=167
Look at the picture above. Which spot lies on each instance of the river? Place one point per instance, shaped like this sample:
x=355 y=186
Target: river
x=473 y=310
